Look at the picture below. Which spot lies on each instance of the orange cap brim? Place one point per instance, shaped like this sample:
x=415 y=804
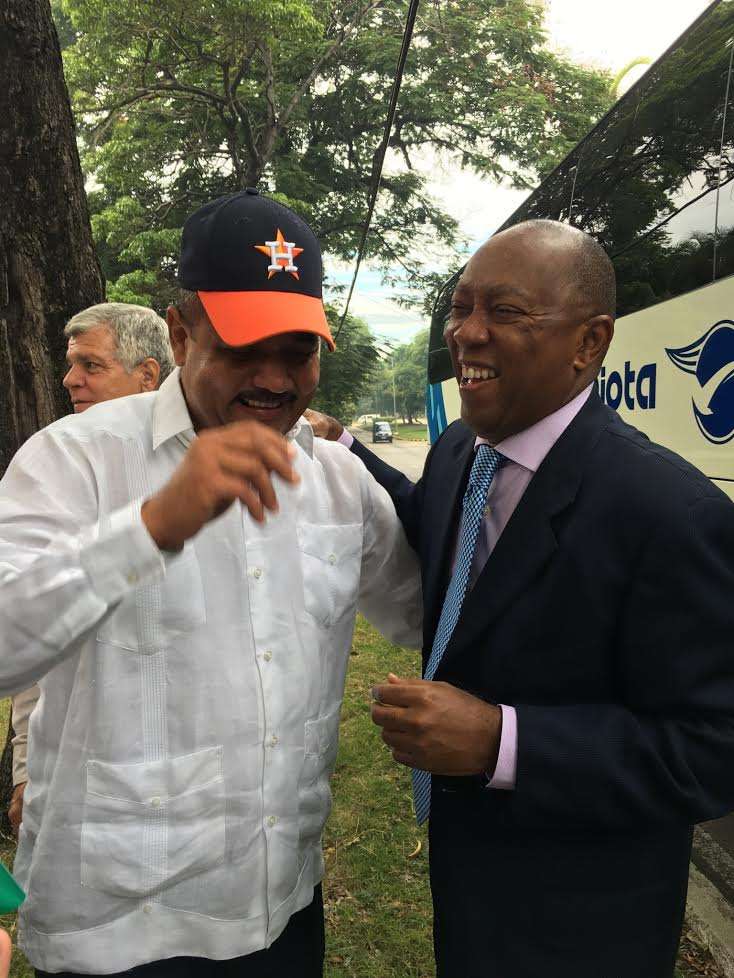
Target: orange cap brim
x=248 y=317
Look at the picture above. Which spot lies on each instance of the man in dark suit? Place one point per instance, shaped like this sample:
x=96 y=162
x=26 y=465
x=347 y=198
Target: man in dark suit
x=577 y=711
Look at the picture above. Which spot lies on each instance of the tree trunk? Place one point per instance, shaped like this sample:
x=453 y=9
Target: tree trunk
x=48 y=266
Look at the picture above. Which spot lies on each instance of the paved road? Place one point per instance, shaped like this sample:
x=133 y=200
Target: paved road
x=408 y=456
x=713 y=854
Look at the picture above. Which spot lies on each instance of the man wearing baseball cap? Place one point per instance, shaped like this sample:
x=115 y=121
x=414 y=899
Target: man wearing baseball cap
x=192 y=582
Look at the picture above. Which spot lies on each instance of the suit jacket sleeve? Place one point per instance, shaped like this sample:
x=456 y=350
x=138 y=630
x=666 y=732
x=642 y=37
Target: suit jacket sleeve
x=407 y=496
x=663 y=750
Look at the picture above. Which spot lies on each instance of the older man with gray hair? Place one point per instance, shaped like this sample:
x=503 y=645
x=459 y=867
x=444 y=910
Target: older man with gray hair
x=114 y=349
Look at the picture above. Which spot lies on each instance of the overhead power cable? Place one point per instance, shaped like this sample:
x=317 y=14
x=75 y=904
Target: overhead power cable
x=397 y=82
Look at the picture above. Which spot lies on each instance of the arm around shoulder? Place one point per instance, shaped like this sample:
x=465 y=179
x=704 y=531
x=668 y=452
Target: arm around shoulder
x=406 y=496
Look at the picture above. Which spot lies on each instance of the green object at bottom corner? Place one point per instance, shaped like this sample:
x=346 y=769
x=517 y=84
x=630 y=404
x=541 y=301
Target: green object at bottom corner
x=11 y=895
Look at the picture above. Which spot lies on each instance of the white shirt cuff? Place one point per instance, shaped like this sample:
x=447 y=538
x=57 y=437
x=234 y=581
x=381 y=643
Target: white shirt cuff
x=346 y=439
x=505 y=773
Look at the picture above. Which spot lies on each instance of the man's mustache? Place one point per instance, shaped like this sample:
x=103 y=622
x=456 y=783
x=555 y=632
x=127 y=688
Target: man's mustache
x=263 y=395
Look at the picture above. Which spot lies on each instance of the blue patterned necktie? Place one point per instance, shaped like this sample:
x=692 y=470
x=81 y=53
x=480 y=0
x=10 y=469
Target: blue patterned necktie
x=486 y=464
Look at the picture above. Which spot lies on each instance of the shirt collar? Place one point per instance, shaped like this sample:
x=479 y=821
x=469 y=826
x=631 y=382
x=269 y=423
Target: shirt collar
x=170 y=414
x=528 y=448
x=171 y=418
x=302 y=434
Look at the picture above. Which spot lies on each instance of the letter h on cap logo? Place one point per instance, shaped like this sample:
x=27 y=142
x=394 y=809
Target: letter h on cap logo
x=281 y=254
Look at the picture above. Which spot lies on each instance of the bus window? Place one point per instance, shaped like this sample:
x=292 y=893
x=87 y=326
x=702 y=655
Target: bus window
x=657 y=153
x=725 y=230
x=554 y=199
x=724 y=243
x=672 y=259
x=608 y=158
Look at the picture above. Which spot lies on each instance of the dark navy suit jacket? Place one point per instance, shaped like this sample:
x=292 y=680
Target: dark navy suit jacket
x=605 y=616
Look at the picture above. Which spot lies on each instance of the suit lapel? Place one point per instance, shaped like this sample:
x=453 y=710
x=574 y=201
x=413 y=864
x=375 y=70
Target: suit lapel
x=528 y=541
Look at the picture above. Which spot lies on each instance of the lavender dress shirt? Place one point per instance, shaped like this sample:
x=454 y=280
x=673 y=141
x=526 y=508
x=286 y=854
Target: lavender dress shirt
x=524 y=453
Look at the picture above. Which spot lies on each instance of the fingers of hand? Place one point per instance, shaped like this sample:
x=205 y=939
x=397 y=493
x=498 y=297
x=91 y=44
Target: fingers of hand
x=399 y=741
x=403 y=747
x=250 y=498
x=390 y=719
x=319 y=422
x=403 y=733
x=405 y=693
x=251 y=440
x=253 y=479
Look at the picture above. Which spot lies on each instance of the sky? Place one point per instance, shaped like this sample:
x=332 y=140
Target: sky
x=591 y=32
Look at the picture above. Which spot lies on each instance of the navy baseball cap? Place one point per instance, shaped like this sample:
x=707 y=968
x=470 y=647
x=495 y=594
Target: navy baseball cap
x=256 y=266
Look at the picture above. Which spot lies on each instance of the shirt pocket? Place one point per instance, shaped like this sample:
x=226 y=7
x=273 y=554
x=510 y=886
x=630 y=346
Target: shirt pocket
x=147 y=826
x=331 y=558
x=151 y=616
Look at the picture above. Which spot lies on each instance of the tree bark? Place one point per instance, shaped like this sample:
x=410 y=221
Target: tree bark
x=48 y=266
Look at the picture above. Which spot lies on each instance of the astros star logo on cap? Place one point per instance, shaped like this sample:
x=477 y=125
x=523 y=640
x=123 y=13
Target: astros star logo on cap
x=281 y=254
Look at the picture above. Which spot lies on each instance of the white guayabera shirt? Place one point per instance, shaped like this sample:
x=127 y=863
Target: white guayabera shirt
x=188 y=719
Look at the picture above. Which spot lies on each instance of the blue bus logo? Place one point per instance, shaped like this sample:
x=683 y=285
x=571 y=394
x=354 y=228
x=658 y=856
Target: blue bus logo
x=711 y=361
x=634 y=387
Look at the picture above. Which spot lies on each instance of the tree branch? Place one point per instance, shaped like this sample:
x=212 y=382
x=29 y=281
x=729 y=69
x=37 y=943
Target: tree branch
x=326 y=56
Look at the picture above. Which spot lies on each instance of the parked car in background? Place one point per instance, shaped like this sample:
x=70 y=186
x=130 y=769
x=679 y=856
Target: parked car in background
x=381 y=431
x=365 y=420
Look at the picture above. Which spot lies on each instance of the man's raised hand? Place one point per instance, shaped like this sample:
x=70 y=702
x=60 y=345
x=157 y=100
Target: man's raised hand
x=236 y=461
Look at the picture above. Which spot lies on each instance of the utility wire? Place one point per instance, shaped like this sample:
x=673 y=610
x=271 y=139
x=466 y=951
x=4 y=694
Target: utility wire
x=397 y=81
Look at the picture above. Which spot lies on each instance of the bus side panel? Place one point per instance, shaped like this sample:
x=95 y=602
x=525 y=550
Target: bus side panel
x=435 y=412
x=670 y=373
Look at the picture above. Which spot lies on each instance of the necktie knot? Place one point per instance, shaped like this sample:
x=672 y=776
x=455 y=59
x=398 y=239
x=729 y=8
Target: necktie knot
x=487 y=461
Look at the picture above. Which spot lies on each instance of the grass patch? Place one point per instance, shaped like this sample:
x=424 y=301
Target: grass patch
x=377 y=899
x=410 y=432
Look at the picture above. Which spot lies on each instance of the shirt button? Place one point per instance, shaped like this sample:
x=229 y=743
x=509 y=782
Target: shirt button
x=155 y=802
x=267 y=655
x=132 y=578
x=274 y=741
x=271 y=821
x=332 y=558
x=147 y=908
x=257 y=573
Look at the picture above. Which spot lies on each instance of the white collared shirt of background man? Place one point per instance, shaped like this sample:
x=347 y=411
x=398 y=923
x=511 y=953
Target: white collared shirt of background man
x=188 y=726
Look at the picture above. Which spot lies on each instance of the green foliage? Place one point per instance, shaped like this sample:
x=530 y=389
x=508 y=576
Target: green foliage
x=178 y=102
x=348 y=371
x=405 y=367
x=139 y=288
